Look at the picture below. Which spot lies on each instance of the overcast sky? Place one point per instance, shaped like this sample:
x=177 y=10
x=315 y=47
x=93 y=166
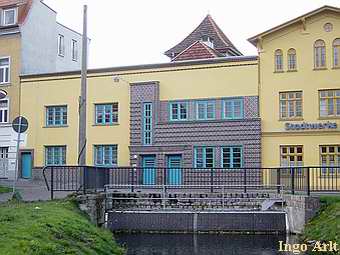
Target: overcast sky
x=129 y=32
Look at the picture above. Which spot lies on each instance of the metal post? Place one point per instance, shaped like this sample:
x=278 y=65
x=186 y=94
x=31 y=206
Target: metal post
x=52 y=182
x=133 y=179
x=211 y=180
x=17 y=158
x=245 y=180
x=84 y=179
x=308 y=181
x=278 y=181
x=83 y=96
x=164 y=178
x=293 y=180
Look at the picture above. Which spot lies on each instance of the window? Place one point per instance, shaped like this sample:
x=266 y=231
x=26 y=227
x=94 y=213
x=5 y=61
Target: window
x=9 y=17
x=147 y=124
x=233 y=109
x=336 y=53
x=61 y=45
x=74 y=50
x=3 y=152
x=55 y=155
x=204 y=157
x=205 y=110
x=208 y=41
x=178 y=111
x=291 y=59
x=330 y=103
x=319 y=54
x=231 y=157
x=278 y=61
x=291 y=156
x=4 y=70
x=291 y=105
x=330 y=159
x=105 y=155
x=56 y=115
x=4 y=111
x=106 y=114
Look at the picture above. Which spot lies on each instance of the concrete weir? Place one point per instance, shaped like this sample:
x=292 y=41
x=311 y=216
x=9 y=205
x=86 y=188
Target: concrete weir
x=193 y=222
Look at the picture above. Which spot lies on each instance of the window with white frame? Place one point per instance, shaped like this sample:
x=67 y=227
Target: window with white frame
x=319 y=54
x=205 y=110
x=4 y=70
x=329 y=103
x=291 y=105
x=105 y=155
x=74 y=50
x=233 y=108
x=55 y=155
x=231 y=157
x=178 y=111
x=3 y=152
x=61 y=45
x=278 y=58
x=9 y=17
x=4 y=111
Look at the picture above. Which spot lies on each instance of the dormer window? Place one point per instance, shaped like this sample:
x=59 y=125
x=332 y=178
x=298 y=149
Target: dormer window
x=9 y=17
x=208 y=41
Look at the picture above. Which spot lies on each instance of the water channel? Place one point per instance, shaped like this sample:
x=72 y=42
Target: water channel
x=205 y=244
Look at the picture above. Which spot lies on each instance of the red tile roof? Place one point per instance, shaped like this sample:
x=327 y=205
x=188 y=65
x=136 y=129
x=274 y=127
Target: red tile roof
x=207 y=28
x=23 y=7
x=198 y=50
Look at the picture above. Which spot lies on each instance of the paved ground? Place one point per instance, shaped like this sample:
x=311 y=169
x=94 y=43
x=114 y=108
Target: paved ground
x=30 y=191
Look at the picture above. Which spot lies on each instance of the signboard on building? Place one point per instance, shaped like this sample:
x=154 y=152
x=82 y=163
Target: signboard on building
x=305 y=126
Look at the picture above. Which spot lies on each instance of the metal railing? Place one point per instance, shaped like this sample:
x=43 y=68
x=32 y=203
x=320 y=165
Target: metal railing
x=294 y=179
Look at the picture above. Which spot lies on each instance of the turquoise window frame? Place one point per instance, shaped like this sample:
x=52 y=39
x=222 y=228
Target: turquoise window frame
x=233 y=102
x=51 y=116
x=204 y=156
x=205 y=113
x=147 y=124
x=57 y=154
x=179 y=118
x=103 y=108
x=113 y=155
x=232 y=155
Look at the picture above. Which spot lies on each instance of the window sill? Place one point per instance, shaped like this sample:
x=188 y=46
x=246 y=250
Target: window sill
x=105 y=125
x=5 y=84
x=75 y=60
x=320 y=68
x=56 y=126
x=279 y=71
x=292 y=71
x=291 y=119
x=61 y=55
x=329 y=118
x=335 y=67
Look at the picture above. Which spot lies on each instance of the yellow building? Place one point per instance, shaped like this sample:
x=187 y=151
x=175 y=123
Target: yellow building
x=210 y=107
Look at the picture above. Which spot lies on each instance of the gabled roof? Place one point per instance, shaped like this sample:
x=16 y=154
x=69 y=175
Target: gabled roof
x=198 y=50
x=209 y=28
x=255 y=38
x=23 y=7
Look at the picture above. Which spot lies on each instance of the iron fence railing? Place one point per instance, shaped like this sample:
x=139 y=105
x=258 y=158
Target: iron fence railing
x=293 y=179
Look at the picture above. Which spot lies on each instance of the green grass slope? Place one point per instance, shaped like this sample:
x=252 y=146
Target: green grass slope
x=48 y=228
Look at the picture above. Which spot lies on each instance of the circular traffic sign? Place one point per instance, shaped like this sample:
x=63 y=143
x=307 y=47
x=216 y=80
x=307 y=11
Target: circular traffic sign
x=3 y=94
x=20 y=124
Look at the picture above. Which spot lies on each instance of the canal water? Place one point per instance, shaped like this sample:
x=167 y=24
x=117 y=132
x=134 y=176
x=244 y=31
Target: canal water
x=207 y=244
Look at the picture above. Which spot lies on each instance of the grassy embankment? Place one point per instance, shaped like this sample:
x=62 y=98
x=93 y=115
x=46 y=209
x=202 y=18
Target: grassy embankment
x=56 y=227
x=326 y=225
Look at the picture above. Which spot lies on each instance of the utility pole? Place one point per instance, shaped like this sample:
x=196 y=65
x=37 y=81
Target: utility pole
x=83 y=96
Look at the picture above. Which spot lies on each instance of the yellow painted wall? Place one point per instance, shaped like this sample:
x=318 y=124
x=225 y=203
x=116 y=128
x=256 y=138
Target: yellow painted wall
x=307 y=79
x=188 y=82
x=10 y=46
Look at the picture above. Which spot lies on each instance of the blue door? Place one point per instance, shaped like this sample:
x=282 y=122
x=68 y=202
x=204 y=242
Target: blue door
x=174 y=170
x=26 y=164
x=149 y=170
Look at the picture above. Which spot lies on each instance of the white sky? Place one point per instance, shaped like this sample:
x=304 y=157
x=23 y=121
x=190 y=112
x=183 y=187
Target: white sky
x=129 y=32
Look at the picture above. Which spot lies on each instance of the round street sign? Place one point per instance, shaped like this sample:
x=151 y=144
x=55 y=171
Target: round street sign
x=20 y=124
x=3 y=94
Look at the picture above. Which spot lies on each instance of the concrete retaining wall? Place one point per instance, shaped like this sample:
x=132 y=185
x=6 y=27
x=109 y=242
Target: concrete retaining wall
x=197 y=222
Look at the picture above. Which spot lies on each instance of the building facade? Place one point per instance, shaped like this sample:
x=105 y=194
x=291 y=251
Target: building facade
x=210 y=107
x=27 y=46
